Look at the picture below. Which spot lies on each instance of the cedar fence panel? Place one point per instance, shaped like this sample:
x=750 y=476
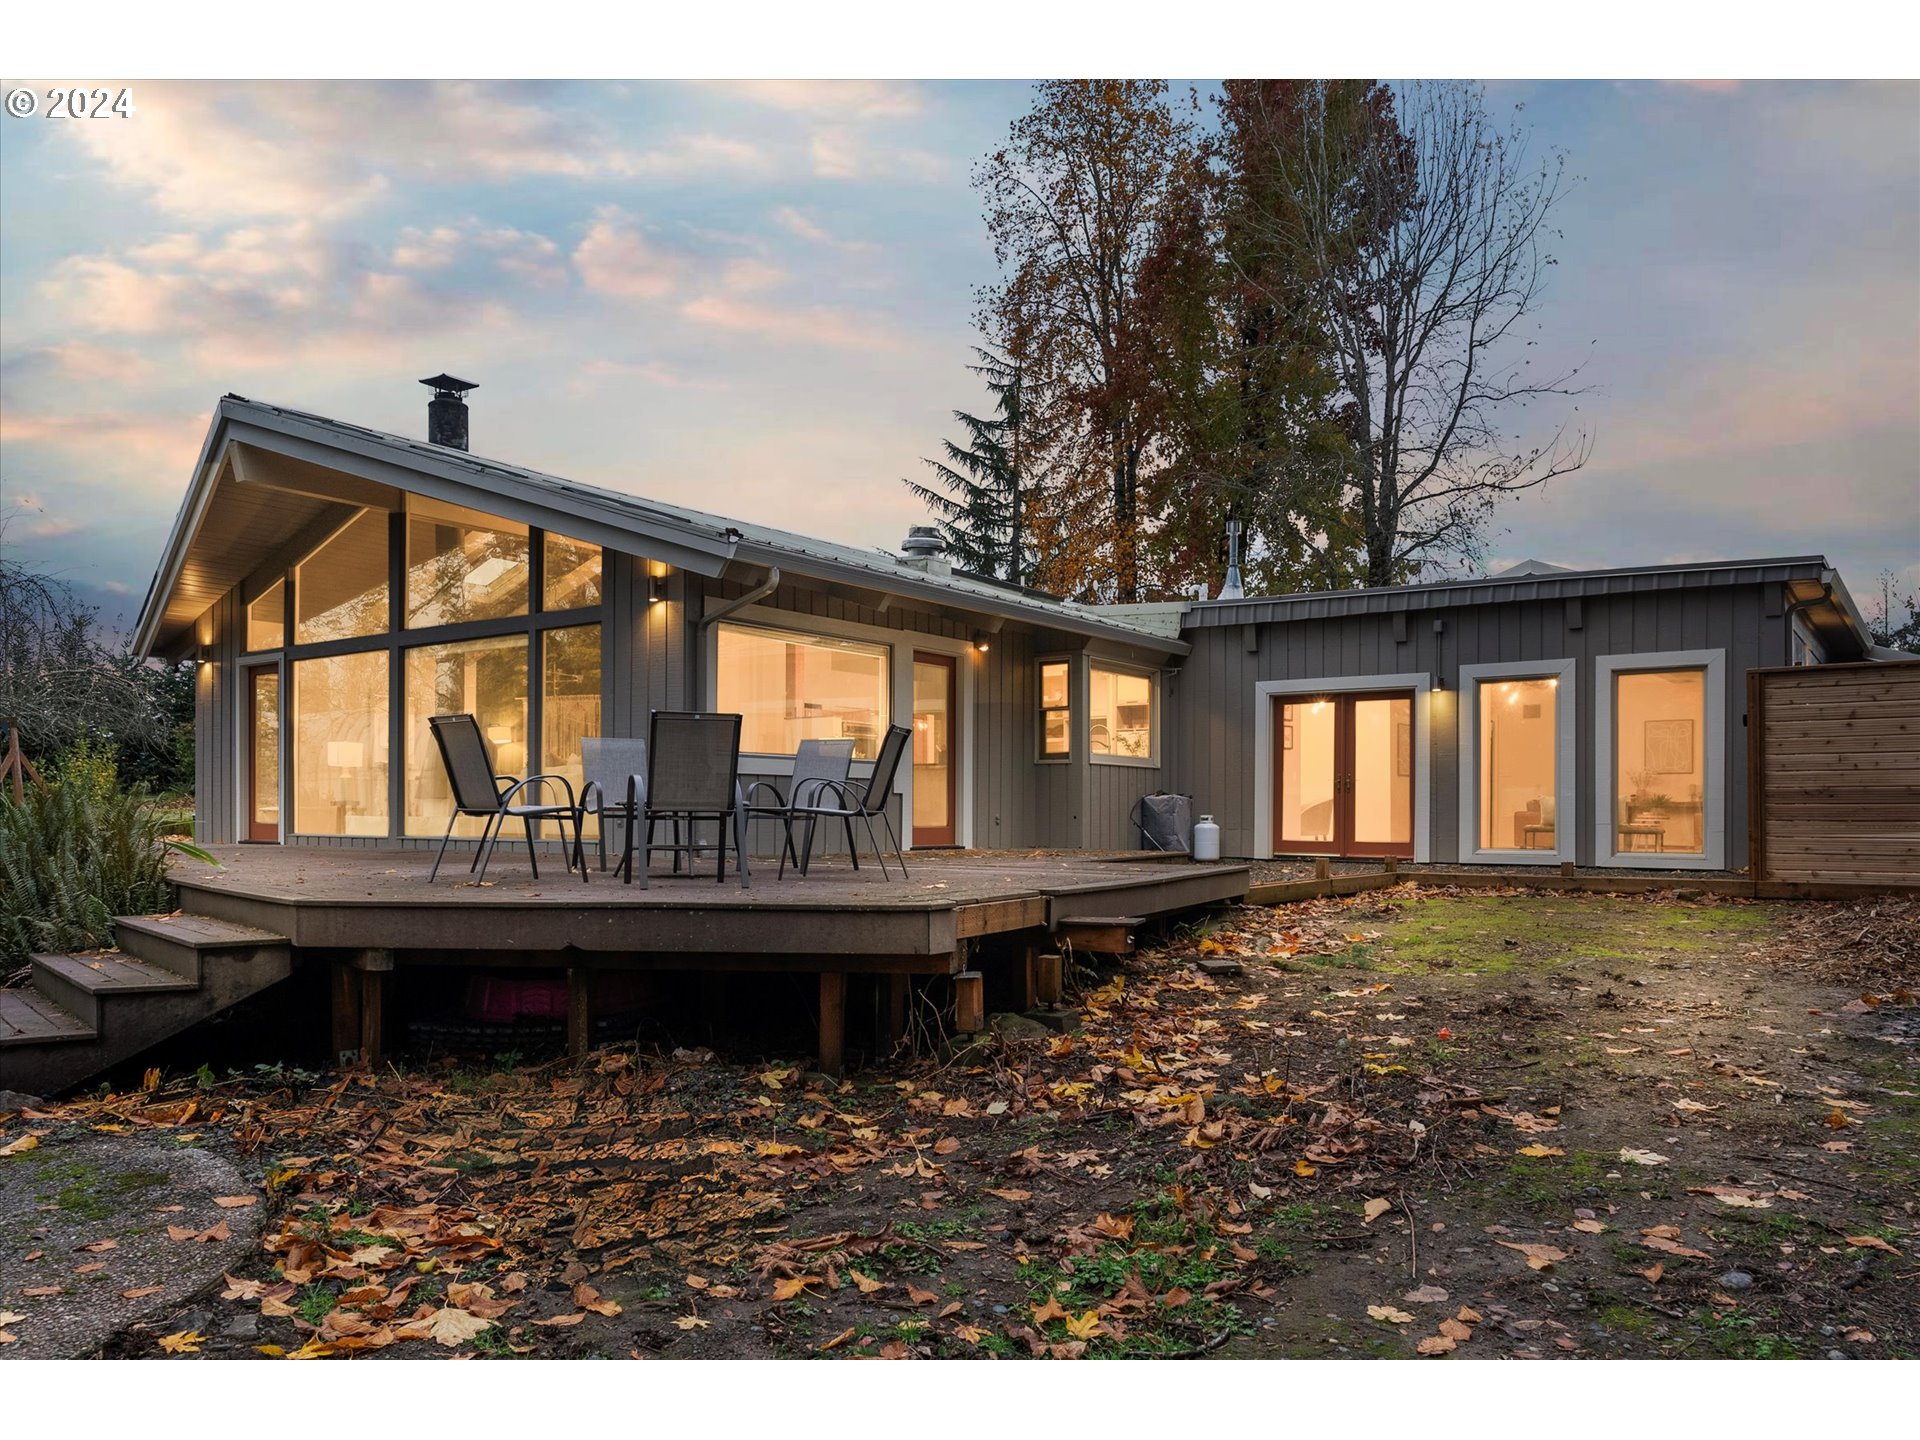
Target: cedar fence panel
x=1833 y=755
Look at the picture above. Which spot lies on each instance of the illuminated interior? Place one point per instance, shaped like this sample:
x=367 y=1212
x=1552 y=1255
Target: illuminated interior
x=339 y=734
x=267 y=618
x=1056 y=709
x=791 y=687
x=1119 y=713
x=572 y=574
x=570 y=699
x=1307 y=771
x=1518 y=765
x=932 y=749
x=340 y=591
x=462 y=565
x=1383 y=771
x=1659 y=759
x=483 y=678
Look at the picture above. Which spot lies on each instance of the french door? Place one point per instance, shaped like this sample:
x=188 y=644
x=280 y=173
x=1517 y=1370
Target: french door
x=263 y=753
x=1343 y=774
x=936 y=712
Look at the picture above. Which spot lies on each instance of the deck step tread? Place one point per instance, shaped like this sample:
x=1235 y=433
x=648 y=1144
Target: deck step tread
x=109 y=973
x=203 y=932
x=1128 y=921
x=28 y=1018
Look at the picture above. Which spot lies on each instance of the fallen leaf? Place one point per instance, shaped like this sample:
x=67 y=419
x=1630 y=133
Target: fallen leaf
x=141 y=1292
x=242 y=1289
x=100 y=1247
x=451 y=1326
x=1858 y=1336
x=1085 y=1327
x=1456 y=1330
x=1539 y=1257
x=1052 y=1310
x=588 y=1298
x=1437 y=1345
x=840 y=1339
x=866 y=1283
x=1538 y=1151
x=1468 y=1315
x=1871 y=1242
x=1654 y=1271
x=560 y=1320
x=1374 y=1209
x=792 y=1286
x=692 y=1322
x=1426 y=1295
x=1389 y=1314
x=1304 y=1170
x=24 y=1143
x=235 y=1202
x=922 y=1297
x=1642 y=1157
x=183 y=1342
x=1014 y=1196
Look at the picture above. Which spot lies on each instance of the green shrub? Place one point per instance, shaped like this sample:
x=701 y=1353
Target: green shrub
x=76 y=851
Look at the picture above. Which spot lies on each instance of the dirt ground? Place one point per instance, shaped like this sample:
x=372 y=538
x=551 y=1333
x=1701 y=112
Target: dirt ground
x=1416 y=1122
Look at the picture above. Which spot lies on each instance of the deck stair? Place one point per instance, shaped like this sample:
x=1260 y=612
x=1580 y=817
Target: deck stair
x=84 y=1013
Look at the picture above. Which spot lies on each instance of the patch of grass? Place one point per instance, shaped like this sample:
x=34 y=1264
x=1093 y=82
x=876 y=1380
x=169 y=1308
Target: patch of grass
x=315 y=1303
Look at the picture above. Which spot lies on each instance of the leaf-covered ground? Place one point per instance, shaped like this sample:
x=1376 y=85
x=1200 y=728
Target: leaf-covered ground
x=1415 y=1123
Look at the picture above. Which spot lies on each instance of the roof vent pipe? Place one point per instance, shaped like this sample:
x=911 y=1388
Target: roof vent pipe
x=447 y=411
x=1232 y=589
x=925 y=549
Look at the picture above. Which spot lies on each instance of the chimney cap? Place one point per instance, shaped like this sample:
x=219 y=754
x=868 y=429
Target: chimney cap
x=923 y=540
x=444 y=384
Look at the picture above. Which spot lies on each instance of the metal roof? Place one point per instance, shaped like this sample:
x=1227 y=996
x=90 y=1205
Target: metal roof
x=202 y=561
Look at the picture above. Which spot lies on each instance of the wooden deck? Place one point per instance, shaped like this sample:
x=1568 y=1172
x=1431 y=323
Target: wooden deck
x=369 y=912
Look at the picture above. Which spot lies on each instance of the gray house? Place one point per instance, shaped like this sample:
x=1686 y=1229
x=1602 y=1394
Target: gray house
x=340 y=585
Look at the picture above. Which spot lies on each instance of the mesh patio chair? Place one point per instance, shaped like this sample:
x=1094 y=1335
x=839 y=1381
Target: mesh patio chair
x=478 y=790
x=606 y=763
x=693 y=774
x=862 y=800
x=817 y=764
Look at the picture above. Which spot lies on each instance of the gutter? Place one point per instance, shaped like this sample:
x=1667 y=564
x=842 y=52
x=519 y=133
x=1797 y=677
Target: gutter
x=759 y=592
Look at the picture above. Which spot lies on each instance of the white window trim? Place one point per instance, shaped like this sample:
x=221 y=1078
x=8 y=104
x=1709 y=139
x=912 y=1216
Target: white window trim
x=900 y=646
x=1121 y=667
x=1040 y=756
x=1566 y=779
x=1264 y=693
x=1713 y=795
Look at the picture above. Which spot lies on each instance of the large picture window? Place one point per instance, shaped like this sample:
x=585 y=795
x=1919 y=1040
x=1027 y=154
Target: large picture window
x=570 y=697
x=462 y=565
x=484 y=678
x=340 y=591
x=1517 y=783
x=792 y=687
x=1659 y=760
x=1120 y=714
x=339 y=744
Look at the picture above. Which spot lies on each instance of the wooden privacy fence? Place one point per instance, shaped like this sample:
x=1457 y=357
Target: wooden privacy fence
x=1833 y=757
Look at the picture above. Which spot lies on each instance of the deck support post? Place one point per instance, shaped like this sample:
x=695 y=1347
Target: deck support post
x=1323 y=868
x=1566 y=869
x=969 y=1002
x=346 y=1011
x=1393 y=865
x=1030 y=974
x=579 y=1012
x=1050 y=978
x=833 y=1022
x=375 y=969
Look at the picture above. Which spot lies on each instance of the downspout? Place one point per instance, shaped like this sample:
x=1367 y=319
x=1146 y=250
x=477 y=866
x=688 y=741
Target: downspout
x=1797 y=607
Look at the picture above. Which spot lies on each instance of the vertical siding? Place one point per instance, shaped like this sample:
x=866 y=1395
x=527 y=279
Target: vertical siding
x=1211 y=749
x=216 y=759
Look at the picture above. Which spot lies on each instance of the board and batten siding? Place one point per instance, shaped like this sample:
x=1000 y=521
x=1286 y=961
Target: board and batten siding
x=217 y=774
x=1212 y=757
x=1837 y=774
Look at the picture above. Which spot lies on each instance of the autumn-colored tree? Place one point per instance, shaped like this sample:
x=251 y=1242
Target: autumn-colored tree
x=1073 y=201
x=1415 y=232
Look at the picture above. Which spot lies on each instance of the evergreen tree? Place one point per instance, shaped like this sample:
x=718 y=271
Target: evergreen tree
x=979 y=493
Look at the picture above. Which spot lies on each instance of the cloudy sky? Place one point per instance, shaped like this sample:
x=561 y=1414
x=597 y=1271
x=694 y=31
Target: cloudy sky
x=756 y=298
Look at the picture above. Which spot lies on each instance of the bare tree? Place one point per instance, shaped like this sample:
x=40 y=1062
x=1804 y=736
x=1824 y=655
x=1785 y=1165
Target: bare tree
x=1424 y=229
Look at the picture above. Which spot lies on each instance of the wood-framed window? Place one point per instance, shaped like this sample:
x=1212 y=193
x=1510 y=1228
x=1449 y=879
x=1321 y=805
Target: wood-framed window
x=1123 y=714
x=1517 y=770
x=1056 y=710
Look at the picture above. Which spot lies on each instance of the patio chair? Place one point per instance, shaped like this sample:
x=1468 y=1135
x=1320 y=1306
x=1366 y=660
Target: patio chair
x=816 y=764
x=693 y=774
x=864 y=801
x=606 y=762
x=477 y=790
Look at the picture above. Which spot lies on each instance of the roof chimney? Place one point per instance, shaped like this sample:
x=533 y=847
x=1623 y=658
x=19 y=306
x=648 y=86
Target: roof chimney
x=924 y=549
x=447 y=412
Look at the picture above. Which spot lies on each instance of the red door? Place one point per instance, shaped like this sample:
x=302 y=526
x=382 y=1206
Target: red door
x=1343 y=775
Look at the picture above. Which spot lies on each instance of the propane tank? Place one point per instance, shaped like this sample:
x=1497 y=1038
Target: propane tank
x=1206 y=839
